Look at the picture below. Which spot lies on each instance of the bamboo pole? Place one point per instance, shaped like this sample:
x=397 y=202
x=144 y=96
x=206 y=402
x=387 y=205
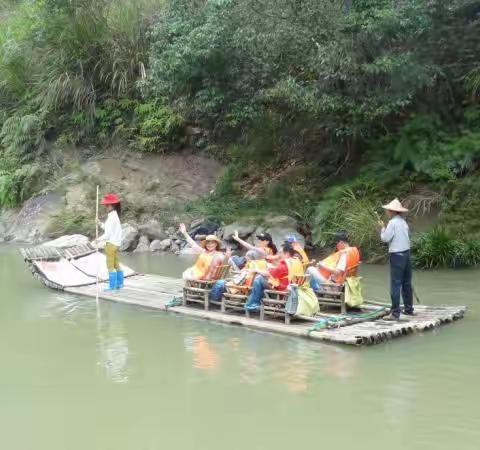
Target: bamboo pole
x=96 y=247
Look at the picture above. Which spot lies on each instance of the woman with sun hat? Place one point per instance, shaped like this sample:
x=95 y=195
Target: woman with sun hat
x=209 y=258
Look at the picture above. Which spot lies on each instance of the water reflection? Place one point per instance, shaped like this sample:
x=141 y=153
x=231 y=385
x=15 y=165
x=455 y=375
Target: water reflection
x=112 y=345
x=205 y=357
x=295 y=365
x=339 y=363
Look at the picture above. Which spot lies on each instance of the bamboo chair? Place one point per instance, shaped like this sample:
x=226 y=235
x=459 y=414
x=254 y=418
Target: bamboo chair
x=236 y=301
x=332 y=294
x=274 y=301
x=198 y=291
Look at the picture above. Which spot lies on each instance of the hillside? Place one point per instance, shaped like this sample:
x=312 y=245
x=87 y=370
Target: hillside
x=317 y=109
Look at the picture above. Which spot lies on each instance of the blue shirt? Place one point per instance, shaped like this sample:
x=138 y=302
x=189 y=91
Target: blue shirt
x=396 y=235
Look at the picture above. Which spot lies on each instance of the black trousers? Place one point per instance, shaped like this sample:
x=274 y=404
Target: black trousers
x=401 y=281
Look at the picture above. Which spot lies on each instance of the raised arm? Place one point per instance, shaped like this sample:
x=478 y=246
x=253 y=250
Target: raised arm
x=247 y=245
x=193 y=244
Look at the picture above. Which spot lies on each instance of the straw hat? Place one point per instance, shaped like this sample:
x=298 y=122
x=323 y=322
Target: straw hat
x=210 y=238
x=395 y=206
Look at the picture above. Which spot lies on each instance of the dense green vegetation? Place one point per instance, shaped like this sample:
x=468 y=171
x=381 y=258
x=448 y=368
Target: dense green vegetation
x=324 y=109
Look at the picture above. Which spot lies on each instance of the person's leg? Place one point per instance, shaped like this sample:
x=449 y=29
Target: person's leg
x=112 y=274
x=255 y=298
x=110 y=254
x=407 y=290
x=116 y=258
x=218 y=290
x=396 y=273
x=316 y=278
x=116 y=263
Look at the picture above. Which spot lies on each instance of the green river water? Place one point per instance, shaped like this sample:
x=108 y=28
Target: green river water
x=125 y=378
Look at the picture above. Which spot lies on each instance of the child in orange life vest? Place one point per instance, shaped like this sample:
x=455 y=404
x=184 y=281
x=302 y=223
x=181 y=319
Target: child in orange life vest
x=210 y=256
x=277 y=278
x=335 y=267
x=244 y=278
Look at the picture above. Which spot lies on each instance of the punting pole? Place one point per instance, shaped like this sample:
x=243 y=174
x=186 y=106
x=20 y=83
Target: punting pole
x=96 y=246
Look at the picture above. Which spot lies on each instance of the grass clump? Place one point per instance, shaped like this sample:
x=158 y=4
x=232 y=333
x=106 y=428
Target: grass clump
x=353 y=210
x=439 y=248
x=70 y=222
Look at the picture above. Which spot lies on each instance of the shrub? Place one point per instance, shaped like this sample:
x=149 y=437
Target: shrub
x=440 y=248
x=18 y=184
x=160 y=128
x=70 y=222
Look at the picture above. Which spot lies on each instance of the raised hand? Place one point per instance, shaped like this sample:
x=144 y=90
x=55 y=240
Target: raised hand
x=235 y=235
x=182 y=228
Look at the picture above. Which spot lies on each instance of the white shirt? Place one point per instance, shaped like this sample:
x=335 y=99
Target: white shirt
x=342 y=262
x=397 y=235
x=113 y=229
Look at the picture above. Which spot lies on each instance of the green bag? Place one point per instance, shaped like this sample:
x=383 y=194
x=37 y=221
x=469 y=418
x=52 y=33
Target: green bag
x=353 y=291
x=307 y=301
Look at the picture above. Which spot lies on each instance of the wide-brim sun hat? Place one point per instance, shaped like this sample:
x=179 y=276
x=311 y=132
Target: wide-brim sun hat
x=395 y=206
x=110 y=199
x=211 y=238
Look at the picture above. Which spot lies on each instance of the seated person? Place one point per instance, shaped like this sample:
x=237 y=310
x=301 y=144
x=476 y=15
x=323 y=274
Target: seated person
x=209 y=259
x=277 y=278
x=335 y=267
x=243 y=278
x=292 y=239
x=265 y=245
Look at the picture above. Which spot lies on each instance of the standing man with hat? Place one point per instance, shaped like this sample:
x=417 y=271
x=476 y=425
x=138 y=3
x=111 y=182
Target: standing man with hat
x=397 y=235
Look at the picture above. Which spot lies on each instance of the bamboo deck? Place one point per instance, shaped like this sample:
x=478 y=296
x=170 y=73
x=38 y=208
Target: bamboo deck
x=155 y=292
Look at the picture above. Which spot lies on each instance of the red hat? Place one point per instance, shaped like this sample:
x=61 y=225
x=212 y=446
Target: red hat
x=110 y=199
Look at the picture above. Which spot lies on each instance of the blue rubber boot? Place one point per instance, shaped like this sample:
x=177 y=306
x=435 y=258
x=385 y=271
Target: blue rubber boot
x=112 y=282
x=119 y=279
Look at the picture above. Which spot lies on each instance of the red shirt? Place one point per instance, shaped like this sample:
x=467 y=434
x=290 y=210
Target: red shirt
x=281 y=274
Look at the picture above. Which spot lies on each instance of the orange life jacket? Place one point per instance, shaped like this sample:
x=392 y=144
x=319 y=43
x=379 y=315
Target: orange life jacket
x=295 y=269
x=353 y=259
x=203 y=265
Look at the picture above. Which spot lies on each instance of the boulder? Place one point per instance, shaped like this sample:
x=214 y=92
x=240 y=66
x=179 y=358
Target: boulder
x=272 y=221
x=68 y=241
x=160 y=246
x=171 y=232
x=32 y=222
x=244 y=230
x=143 y=244
x=7 y=218
x=153 y=230
x=279 y=235
x=130 y=237
x=77 y=198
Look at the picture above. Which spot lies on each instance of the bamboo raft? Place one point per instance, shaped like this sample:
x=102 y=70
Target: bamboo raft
x=157 y=292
